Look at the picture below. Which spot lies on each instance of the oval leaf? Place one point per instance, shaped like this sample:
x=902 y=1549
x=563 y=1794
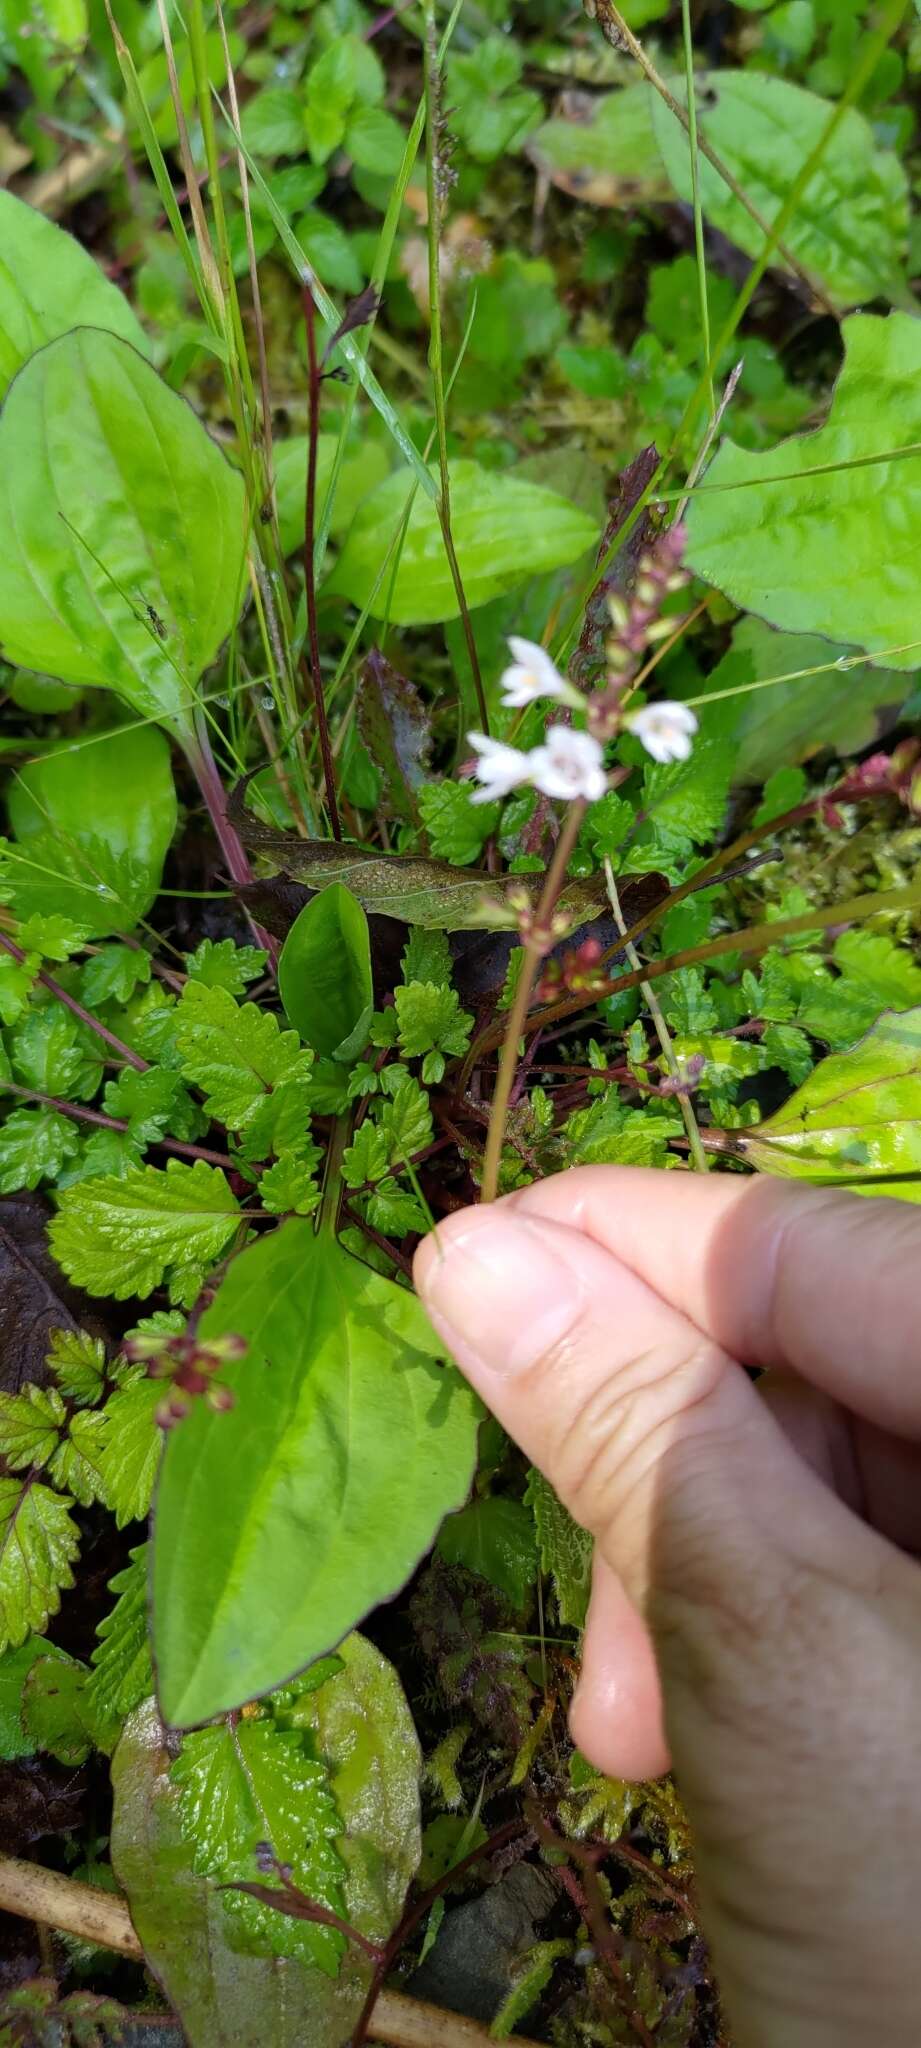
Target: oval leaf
x=48 y=285
x=122 y=528
x=857 y=1117
x=831 y=554
x=324 y=974
x=505 y=530
x=850 y=228
x=362 y=468
x=94 y=825
x=603 y=151
x=282 y=1522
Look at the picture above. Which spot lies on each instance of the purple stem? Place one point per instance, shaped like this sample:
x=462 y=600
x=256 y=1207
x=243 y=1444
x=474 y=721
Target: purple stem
x=205 y=770
x=81 y=1114
x=131 y=1059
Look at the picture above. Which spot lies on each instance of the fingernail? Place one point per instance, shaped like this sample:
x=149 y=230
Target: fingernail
x=498 y=1291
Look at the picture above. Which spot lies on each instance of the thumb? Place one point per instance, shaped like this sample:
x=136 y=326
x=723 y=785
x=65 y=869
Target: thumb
x=786 y=1633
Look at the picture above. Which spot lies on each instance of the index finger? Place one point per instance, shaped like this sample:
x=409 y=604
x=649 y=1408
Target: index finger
x=804 y=1279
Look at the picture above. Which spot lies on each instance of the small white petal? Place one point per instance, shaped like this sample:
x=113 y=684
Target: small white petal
x=499 y=768
x=666 y=730
x=532 y=675
x=570 y=764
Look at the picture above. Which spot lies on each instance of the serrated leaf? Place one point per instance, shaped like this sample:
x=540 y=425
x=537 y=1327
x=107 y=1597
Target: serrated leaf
x=30 y=1425
x=851 y=223
x=504 y=529
x=52 y=1709
x=108 y=576
x=113 y=975
x=858 y=1116
x=495 y=1538
x=221 y=964
x=51 y=1051
x=152 y=1103
x=74 y=1464
x=252 y=1783
x=17 y=980
x=122 y=1676
x=48 y=284
x=53 y=936
x=565 y=1549
x=77 y=1362
x=367 y=1158
x=15 y=1666
x=126 y=1236
x=324 y=974
x=825 y=554
x=38 y=1545
x=234 y=1052
x=690 y=797
x=289 y=1184
x=405 y=1119
x=426 y=957
x=430 y=1018
x=364 y=1731
x=457 y=829
x=346 y=1454
x=35 y=1145
x=686 y=1001
x=128 y=1449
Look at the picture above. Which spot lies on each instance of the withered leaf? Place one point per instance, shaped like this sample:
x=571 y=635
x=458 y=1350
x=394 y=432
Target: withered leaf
x=394 y=723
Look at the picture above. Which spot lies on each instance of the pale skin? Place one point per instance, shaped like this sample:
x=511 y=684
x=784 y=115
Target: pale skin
x=756 y=1609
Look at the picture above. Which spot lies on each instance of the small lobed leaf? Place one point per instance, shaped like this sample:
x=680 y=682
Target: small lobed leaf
x=127 y=1447
x=35 y=1145
x=38 y=1545
x=234 y=1052
x=221 y=964
x=240 y=1786
x=431 y=1019
x=495 y=1538
x=122 y=1676
x=565 y=1549
x=125 y=1236
x=30 y=1426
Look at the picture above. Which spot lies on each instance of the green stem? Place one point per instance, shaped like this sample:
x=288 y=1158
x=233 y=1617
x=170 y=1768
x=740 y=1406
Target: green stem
x=663 y=1034
x=328 y=1213
x=695 y=195
x=534 y=951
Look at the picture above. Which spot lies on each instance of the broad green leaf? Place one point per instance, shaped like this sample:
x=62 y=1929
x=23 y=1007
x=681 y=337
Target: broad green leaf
x=255 y=1782
x=124 y=1236
x=495 y=1538
x=15 y=1666
x=234 y=1052
x=606 y=154
x=112 y=795
x=857 y=1116
x=38 y=1545
x=504 y=531
x=113 y=572
x=49 y=284
x=362 y=1729
x=786 y=723
x=283 y=1521
x=361 y=470
x=122 y=1676
x=425 y=892
x=565 y=1549
x=324 y=974
x=828 y=554
x=850 y=227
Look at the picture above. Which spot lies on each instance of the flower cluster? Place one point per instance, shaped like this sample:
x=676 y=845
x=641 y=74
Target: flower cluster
x=570 y=763
x=190 y=1362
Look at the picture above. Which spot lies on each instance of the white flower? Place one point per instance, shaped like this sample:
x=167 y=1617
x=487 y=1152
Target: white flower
x=665 y=730
x=569 y=764
x=499 y=768
x=533 y=675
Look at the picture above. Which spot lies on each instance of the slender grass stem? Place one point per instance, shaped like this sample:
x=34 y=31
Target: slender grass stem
x=310 y=582
x=534 y=950
x=436 y=358
x=695 y=195
x=663 y=1034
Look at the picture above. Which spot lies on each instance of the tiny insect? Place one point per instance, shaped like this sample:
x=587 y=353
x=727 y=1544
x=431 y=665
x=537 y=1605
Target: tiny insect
x=155 y=621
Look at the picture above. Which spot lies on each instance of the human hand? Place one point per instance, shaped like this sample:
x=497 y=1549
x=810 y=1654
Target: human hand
x=755 y=1546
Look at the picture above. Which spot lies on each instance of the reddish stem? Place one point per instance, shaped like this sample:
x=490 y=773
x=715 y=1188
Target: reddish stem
x=82 y=1114
x=131 y=1059
x=205 y=770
